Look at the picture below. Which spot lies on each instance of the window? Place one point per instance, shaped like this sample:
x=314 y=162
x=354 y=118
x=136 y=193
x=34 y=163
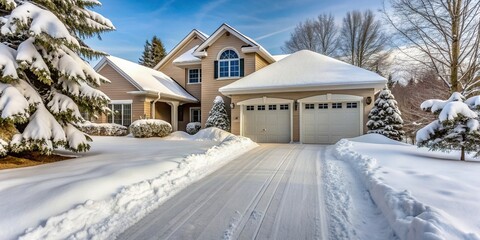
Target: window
x=323 y=106
x=261 y=107
x=272 y=107
x=229 y=64
x=122 y=114
x=250 y=108
x=195 y=115
x=283 y=106
x=309 y=106
x=336 y=105
x=194 y=75
x=352 y=105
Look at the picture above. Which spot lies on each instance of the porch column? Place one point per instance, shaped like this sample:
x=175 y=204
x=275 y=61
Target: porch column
x=174 y=115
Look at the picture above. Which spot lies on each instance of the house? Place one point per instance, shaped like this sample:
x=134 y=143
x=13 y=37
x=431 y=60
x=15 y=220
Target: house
x=304 y=96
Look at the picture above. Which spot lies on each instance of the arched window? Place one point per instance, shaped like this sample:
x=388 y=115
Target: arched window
x=229 y=64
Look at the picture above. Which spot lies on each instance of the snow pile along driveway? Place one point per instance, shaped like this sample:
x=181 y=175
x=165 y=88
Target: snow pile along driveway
x=106 y=218
x=424 y=176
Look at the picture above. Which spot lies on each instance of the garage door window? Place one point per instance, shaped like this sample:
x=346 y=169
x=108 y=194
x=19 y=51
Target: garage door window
x=309 y=106
x=283 y=106
x=261 y=107
x=272 y=107
x=352 y=105
x=336 y=105
x=323 y=106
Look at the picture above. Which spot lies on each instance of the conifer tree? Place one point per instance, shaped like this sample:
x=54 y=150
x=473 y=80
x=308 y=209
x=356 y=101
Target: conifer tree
x=218 y=117
x=153 y=53
x=385 y=117
x=457 y=126
x=44 y=80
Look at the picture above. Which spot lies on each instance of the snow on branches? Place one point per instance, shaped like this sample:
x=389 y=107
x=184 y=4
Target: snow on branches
x=218 y=117
x=385 y=117
x=44 y=81
x=457 y=126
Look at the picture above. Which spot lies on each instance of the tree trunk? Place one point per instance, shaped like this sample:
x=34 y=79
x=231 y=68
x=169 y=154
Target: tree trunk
x=462 y=157
x=455 y=14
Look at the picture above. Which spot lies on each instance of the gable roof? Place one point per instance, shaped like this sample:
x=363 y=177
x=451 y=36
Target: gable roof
x=187 y=58
x=146 y=80
x=305 y=71
x=252 y=45
x=180 y=45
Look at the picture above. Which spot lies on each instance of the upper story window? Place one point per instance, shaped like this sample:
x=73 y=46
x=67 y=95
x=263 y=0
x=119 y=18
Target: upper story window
x=194 y=75
x=229 y=65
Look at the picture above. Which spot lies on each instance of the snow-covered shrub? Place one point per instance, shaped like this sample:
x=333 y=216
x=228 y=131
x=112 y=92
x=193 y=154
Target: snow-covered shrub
x=218 y=117
x=150 y=128
x=385 y=117
x=457 y=126
x=193 y=127
x=43 y=77
x=103 y=129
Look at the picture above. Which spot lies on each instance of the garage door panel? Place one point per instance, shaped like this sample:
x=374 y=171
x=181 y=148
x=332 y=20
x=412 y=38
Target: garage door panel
x=269 y=125
x=330 y=122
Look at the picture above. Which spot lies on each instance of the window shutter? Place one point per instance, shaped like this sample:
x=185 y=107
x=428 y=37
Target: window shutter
x=180 y=113
x=242 y=72
x=215 y=69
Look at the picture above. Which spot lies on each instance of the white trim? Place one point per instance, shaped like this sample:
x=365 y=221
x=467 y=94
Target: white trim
x=225 y=49
x=306 y=88
x=190 y=113
x=126 y=101
x=330 y=98
x=229 y=60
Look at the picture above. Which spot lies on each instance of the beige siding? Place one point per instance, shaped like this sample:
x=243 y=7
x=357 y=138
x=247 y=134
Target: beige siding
x=295 y=96
x=117 y=90
x=210 y=85
x=163 y=111
x=178 y=74
x=182 y=125
x=260 y=62
x=195 y=89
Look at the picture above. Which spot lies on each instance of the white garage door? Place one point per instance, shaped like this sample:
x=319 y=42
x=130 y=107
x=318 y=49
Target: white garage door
x=267 y=123
x=327 y=123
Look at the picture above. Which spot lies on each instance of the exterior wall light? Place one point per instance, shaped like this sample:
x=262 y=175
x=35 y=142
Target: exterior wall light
x=368 y=100
x=232 y=105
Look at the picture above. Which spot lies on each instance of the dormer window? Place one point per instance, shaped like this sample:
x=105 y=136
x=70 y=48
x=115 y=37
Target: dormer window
x=229 y=65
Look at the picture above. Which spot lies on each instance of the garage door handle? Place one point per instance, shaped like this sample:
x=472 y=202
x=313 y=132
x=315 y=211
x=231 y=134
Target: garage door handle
x=264 y=130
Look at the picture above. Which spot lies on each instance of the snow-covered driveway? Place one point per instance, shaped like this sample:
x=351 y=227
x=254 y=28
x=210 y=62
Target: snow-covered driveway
x=271 y=192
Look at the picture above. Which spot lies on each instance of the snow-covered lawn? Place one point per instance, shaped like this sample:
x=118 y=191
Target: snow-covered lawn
x=111 y=187
x=424 y=195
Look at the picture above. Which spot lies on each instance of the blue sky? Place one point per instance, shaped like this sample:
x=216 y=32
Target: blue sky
x=268 y=22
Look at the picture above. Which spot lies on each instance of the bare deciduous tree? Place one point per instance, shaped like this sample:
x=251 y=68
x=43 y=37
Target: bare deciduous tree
x=447 y=33
x=362 y=40
x=318 y=35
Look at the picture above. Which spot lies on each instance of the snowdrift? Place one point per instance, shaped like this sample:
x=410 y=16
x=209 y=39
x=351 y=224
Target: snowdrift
x=409 y=218
x=106 y=218
x=210 y=134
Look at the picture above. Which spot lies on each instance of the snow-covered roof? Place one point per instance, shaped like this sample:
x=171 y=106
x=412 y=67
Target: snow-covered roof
x=181 y=44
x=187 y=58
x=305 y=71
x=252 y=45
x=280 y=56
x=147 y=80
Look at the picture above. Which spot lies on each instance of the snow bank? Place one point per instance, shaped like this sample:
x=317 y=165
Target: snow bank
x=410 y=219
x=210 y=134
x=105 y=219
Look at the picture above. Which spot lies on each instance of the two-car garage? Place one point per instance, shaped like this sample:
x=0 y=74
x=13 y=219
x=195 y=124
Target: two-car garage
x=323 y=119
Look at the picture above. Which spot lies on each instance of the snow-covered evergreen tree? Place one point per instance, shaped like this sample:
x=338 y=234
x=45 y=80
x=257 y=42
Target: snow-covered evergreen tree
x=218 y=117
x=153 y=53
x=385 y=117
x=457 y=127
x=44 y=81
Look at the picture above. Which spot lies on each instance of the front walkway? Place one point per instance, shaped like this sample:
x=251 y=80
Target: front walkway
x=272 y=192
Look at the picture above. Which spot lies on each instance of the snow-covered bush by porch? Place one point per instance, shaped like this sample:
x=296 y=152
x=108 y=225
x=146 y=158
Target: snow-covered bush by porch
x=457 y=126
x=103 y=129
x=385 y=117
x=193 y=127
x=146 y=128
x=218 y=117
x=44 y=81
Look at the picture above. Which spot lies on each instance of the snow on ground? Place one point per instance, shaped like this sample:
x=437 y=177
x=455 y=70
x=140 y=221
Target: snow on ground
x=109 y=188
x=424 y=195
